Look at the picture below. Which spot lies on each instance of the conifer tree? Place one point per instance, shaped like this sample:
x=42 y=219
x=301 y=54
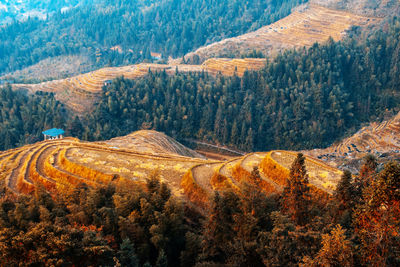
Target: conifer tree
x=296 y=195
x=377 y=219
x=345 y=190
x=367 y=172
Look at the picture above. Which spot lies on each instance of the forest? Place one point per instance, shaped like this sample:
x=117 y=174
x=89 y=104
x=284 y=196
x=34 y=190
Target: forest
x=327 y=92
x=23 y=117
x=172 y=28
x=144 y=225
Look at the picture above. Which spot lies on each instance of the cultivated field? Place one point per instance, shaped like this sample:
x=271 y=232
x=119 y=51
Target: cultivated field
x=276 y=165
x=304 y=27
x=66 y=163
x=79 y=93
x=60 y=165
x=230 y=67
x=375 y=138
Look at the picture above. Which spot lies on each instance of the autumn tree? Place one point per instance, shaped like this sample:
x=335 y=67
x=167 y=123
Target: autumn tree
x=296 y=194
x=218 y=230
x=377 y=219
x=336 y=251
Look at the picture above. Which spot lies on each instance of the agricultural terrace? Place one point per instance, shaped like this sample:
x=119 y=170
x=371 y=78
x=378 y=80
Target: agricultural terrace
x=79 y=93
x=301 y=28
x=64 y=164
x=377 y=137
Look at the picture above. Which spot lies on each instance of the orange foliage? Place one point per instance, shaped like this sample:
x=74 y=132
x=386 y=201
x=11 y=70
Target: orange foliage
x=195 y=193
x=63 y=177
x=34 y=172
x=241 y=174
x=221 y=182
x=273 y=170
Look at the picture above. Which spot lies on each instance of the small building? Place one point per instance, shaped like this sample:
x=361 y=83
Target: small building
x=52 y=134
x=107 y=82
x=156 y=56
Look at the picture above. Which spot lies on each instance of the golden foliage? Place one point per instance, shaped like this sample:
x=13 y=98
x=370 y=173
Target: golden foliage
x=194 y=192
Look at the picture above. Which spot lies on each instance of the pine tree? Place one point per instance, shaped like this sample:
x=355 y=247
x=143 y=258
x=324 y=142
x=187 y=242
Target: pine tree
x=367 y=172
x=296 y=195
x=377 y=219
x=126 y=254
x=345 y=191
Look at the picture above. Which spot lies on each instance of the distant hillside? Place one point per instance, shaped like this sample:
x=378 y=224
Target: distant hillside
x=375 y=8
x=52 y=68
x=21 y=10
x=376 y=138
x=304 y=27
x=80 y=92
x=137 y=28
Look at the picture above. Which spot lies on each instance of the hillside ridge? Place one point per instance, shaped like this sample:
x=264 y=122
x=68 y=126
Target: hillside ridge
x=305 y=26
x=69 y=162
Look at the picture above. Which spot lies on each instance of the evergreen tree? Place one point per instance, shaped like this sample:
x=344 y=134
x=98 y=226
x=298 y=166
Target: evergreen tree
x=296 y=194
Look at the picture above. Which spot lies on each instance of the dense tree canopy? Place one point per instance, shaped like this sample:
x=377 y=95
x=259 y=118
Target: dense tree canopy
x=23 y=117
x=172 y=28
x=326 y=91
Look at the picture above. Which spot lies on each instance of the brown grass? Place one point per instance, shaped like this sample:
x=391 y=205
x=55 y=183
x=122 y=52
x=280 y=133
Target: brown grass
x=270 y=168
x=64 y=177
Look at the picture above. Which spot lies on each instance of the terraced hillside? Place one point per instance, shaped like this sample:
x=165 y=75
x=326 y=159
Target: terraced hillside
x=273 y=169
x=66 y=163
x=79 y=93
x=229 y=67
x=304 y=27
x=375 y=138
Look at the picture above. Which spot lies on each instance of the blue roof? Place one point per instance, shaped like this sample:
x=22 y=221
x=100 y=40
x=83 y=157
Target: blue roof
x=53 y=132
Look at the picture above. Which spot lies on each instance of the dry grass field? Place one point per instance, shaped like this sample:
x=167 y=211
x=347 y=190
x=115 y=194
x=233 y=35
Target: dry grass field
x=310 y=24
x=52 y=68
x=63 y=164
x=230 y=67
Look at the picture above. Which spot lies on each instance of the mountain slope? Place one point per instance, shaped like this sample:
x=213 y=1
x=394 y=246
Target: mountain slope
x=303 y=27
x=66 y=163
x=80 y=92
x=137 y=28
x=376 y=138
